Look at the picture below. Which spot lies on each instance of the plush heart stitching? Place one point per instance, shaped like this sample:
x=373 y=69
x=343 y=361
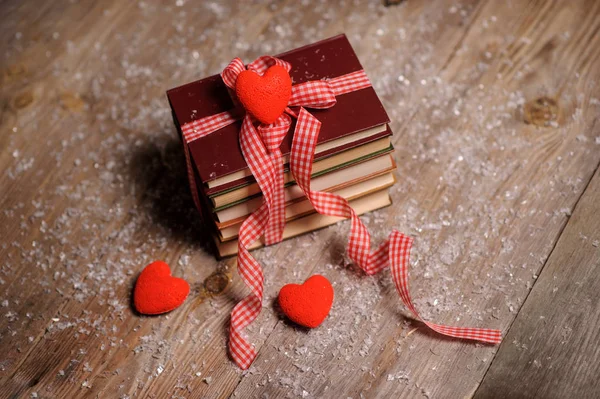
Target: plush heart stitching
x=264 y=96
x=156 y=291
x=307 y=304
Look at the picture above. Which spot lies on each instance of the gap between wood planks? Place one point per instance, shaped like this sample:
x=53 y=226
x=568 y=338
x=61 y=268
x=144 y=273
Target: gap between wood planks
x=595 y=175
x=554 y=246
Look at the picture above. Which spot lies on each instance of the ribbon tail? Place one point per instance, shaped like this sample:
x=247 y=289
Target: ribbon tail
x=251 y=272
x=263 y=156
x=394 y=252
x=247 y=310
x=301 y=160
x=260 y=162
x=272 y=135
x=276 y=224
x=243 y=352
x=399 y=255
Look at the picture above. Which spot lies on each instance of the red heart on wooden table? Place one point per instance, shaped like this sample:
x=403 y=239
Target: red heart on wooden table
x=156 y=291
x=264 y=96
x=307 y=304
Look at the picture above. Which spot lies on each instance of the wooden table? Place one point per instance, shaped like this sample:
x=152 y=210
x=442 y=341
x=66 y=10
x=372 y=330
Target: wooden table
x=495 y=107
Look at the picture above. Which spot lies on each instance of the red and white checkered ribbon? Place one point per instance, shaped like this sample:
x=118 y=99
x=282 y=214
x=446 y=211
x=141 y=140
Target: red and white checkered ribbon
x=260 y=147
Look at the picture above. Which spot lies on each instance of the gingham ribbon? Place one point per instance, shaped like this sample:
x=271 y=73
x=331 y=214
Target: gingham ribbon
x=260 y=147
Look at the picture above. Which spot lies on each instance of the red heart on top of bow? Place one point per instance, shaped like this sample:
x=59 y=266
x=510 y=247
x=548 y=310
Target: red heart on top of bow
x=266 y=96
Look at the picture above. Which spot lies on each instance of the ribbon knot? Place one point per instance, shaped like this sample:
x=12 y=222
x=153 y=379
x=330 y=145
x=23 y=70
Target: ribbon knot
x=260 y=147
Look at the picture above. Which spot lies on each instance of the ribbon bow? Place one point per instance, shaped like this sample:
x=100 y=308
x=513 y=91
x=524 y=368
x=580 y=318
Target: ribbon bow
x=260 y=147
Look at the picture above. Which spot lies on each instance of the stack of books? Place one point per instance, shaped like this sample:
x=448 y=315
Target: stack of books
x=353 y=157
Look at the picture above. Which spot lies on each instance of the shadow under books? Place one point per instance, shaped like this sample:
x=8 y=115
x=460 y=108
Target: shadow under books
x=158 y=169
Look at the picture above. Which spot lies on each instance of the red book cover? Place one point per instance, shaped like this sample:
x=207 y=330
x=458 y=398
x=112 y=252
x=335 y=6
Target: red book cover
x=219 y=154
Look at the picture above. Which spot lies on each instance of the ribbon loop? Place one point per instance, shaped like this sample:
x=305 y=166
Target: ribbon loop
x=231 y=72
x=261 y=64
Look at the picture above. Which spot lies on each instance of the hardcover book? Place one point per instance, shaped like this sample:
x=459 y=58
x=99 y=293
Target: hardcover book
x=352 y=157
x=218 y=154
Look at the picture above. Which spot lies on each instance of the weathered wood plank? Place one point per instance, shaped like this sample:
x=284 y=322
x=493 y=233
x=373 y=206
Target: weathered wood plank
x=54 y=359
x=39 y=367
x=488 y=198
x=69 y=210
x=92 y=96
x=217 y=369
x=551 y=350
x=39 y=160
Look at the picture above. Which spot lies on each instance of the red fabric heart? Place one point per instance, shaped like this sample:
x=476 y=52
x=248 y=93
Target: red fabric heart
x=307 y=304
x=157 y=292
x=265 y=96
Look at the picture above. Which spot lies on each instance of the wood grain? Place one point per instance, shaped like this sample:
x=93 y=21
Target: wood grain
x=93 y=187
x=552 y=348
x=398 y=362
